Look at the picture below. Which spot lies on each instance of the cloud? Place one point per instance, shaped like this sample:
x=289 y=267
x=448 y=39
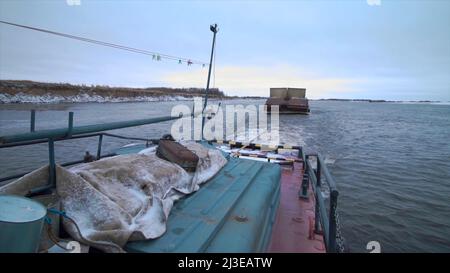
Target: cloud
x=73 y=2
x=374 y=2
x=256 y=81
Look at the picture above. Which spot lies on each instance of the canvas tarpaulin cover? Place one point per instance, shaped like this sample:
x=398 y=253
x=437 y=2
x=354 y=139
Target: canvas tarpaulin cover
x=122 y=198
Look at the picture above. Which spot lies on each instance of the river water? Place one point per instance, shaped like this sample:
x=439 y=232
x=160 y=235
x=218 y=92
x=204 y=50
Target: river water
x=391 y=161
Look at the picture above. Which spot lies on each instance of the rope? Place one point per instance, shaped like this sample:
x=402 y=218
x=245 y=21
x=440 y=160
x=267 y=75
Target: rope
x=54 y=238
x=63 y=214
x=155 y=55
x=51 y=235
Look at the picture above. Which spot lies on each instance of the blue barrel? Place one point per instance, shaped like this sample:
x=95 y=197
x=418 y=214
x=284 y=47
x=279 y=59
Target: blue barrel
x=21 y=222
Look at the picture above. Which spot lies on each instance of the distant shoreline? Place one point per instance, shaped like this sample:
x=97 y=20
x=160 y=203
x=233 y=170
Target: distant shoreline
x=24 y=91
x=372 y=100
x=21 y=91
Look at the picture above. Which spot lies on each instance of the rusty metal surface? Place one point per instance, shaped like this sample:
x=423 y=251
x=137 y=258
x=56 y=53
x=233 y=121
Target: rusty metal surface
x=294 y=104
x=293 y=230
x=175 y=152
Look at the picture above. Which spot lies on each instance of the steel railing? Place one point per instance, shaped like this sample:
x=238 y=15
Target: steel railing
x=326 y=221
x=50 y=136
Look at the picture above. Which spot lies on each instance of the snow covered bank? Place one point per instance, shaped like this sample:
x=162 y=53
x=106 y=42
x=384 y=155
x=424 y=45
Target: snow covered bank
x=82 y=97
x=19 y=91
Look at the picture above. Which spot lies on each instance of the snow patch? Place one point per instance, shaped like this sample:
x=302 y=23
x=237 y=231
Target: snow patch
x=82 y=97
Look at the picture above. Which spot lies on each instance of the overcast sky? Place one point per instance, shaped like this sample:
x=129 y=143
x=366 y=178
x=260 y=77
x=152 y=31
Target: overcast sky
x=396 y=50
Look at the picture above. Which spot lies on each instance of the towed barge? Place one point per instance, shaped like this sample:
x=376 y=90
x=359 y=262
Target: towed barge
x=289 y=100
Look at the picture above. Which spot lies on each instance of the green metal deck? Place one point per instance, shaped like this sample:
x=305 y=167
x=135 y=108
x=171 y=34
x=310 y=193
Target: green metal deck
x=233 y=212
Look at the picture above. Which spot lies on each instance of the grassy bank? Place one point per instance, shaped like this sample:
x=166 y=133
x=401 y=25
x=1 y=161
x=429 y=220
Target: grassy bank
x=29 y=91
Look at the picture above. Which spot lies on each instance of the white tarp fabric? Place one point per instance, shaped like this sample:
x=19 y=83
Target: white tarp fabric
x=124 y=198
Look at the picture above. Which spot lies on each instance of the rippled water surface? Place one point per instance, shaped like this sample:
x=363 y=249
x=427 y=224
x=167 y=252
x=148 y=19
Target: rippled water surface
x=391 y=161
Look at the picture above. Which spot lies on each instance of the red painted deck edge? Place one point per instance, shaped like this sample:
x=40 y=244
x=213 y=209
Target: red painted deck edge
x=293 y=230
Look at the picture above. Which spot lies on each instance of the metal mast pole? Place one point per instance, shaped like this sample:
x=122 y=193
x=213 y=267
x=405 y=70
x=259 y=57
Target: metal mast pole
x=214 y=29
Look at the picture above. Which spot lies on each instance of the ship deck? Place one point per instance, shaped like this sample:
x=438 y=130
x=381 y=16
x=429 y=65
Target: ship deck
x=293 y=230
x=249 y=206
